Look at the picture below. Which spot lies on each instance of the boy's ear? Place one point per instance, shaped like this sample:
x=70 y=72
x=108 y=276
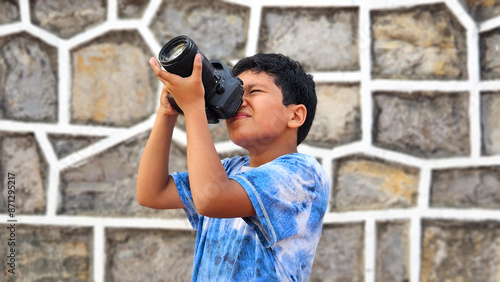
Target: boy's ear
x=298 y=113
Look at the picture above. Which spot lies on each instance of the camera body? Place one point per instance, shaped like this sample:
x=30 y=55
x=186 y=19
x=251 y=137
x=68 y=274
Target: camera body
x=223 y=90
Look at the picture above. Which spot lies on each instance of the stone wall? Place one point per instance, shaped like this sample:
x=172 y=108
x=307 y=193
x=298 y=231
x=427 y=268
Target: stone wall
x=408 y=128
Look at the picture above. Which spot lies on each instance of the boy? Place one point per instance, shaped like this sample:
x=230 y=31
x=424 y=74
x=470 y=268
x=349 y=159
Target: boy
x=258 y=218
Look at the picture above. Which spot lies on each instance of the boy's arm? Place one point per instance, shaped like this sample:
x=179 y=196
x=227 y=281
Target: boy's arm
x=155 y=188
x=214 y=194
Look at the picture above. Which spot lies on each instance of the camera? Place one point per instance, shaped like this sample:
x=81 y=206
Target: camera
x=223 y=90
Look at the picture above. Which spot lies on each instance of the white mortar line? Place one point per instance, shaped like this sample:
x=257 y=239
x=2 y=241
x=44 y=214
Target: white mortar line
x=53 y=172
x=366 y=103
x=398 y=4
x=370 y=249
x=422 y=85
x=150 y=12
x=64 y=84
x=415 y=247
x=337 y=76
x=7 y=29
x=489 y=24
x=253 y=29
x=112 y=10
x=24 y=12
x=99 y=252
x=73 y=129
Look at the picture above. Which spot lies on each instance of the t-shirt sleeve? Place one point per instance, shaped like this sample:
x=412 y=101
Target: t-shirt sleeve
x=288 y=194
x=181 y=180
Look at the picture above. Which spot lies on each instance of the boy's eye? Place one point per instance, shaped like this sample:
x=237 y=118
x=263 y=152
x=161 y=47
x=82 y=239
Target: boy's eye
x=255 y=90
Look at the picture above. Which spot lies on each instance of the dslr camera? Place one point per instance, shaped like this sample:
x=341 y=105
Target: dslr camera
x=223 y=90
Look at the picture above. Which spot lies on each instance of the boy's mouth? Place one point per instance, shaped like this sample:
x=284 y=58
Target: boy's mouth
x=239 y=115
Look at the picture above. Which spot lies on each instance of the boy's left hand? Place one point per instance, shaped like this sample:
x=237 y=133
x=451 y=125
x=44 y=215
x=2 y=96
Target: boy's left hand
x=187 y=91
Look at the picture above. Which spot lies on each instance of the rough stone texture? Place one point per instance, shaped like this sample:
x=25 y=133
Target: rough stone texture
x=105 y=184
x=321 y=39
x=424 y=42
x=466 y=188
x=67 y=18
x=20 y=155
x=363 y=183
x=490 y=123
x=65 y=144
x=131 y=8
x=149 y=255
x=10 y=11
x=113 y=83
x=339 y=255
x=338 y=116
x=482 y=10
x=460 y=251
x=28 y=79
x=490 y=54
x=425 y=124
x=219 y=29
x=393 y=254
x=49 y=253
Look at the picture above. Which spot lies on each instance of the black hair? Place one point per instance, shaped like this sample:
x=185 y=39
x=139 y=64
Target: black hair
x=296 y=85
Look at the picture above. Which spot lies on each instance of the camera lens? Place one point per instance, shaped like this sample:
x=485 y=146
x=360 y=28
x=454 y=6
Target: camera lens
x=175 y=52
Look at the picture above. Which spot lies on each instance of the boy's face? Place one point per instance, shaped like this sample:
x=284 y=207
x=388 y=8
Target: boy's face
x=262 y=118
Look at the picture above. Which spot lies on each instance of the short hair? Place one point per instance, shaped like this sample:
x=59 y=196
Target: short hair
x=296 y=85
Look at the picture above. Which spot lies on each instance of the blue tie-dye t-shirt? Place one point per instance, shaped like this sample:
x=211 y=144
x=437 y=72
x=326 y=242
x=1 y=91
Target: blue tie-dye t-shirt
x=289 y=196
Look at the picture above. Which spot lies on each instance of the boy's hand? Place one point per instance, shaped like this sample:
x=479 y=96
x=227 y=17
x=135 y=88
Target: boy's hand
x=165 y=108
x=187 y=91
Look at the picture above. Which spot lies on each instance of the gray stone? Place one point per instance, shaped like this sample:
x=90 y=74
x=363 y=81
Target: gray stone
x=339 y=255
x=65 y=144
x=149 y=255
x=219 y=29
x=49 y=253
x=104 y=185
x=490 y=123
x=131 y=8
x=113 y=83
x=425 y=124
x=422 y=42
x=466 y=188
x=460 y=251
x=69 y=17
x=28 y=79
x=21 y=156
x=482 y=10
x=338 y=116
x=321 y=39
x=10 y=11
x=363 y=183
x=489 y=51
x=393 y=254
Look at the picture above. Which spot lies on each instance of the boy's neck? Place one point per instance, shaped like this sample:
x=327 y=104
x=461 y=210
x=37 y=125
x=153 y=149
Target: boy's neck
x=260 y=157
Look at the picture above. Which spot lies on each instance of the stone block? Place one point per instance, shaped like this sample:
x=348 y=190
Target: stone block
x=339 y=255
x=28 y=79
x=10 y=11
x=489 y=54
x=219 y=29
x=338 y=116
x=466 y=188
x=67 y=18
x=321 y=39
x=49 y=253
x=104 y=185
x=481 y=10
x=149 y=255
x=490 y=123
x=392 y=251
x=113 y=83
x=362 y=183
x=424 y=124
x=421 y=42
x=21 y=156
x=131 y=8
x=65 y=144
x=460 y=251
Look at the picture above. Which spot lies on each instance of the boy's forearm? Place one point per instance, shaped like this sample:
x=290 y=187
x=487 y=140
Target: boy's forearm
x=153 y=174
x=206 y=173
